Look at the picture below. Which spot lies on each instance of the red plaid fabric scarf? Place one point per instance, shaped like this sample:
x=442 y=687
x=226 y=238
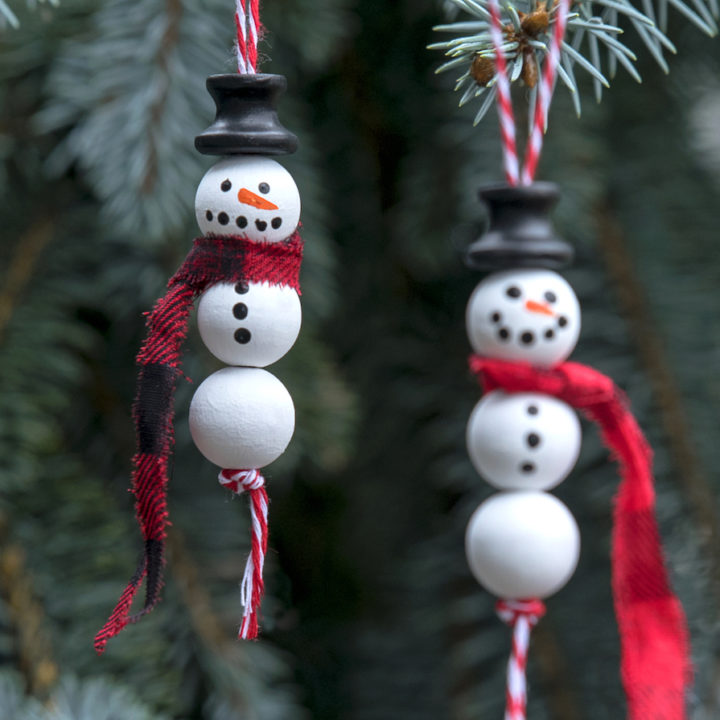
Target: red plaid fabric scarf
x=213 y=259
x=655 y=666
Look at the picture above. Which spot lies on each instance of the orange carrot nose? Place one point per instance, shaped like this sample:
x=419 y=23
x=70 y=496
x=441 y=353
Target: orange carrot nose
x=537 y=307
x=250 y=198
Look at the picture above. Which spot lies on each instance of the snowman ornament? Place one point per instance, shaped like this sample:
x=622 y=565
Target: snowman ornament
x=244 y=270
x=523 y=438
x=522 y=543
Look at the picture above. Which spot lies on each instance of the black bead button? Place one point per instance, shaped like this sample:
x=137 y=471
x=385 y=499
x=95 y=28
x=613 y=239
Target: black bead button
x=241 y=288
x=240 y=311
x=532 y=410
x=242 y=335
x=532 y=439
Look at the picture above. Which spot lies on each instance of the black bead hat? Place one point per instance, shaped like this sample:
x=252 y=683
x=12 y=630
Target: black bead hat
x=246 y=122
x=520 y=232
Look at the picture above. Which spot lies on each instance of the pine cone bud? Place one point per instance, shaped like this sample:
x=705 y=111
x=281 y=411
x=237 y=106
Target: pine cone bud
x=482 y=70
x=536 y=22
x=529 y=72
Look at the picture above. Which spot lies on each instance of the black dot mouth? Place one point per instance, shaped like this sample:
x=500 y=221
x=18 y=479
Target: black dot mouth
x=223 y=218
x=209 y=216
x=260 y=225
x=549 y=334
x=241 y=221
x=562 y=321
x=276 y=222
x=527 y=468
x=242 y=336
x=504 y=334
x=527 y=338
x=496 y=317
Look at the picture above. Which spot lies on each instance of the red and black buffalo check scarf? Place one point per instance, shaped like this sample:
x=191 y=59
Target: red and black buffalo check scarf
x=655 y=666
x=213 y=259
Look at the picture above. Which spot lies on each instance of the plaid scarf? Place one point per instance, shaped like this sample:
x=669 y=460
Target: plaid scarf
x=655 y=666
x=212 y=259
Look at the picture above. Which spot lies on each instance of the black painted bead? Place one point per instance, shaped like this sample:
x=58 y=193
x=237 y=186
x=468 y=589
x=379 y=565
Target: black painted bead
x=242 y=335
x=527 y=467
x=209 y=215
x=264 y=188
x=550 y=334
x=241 y=221
x=241 y=288
x=240 y=311
x=550 y=296
x=532 y=439
x=562 y=321
x=496 y=317
x=226 y=185
x=532 y=410
x=260 y=225
x=223 y=218
x=527 y=338
x=276 y=222
x=513 y=292
x=504 y=334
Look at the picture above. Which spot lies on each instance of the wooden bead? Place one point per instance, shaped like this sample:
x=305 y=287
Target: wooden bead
x=242 y=418
x=522 y=545
x=523 y=441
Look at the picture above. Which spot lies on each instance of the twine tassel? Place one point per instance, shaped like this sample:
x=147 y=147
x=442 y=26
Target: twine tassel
x=252 y=586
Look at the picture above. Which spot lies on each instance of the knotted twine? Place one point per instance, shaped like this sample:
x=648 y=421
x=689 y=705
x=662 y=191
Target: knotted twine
x=654 y=646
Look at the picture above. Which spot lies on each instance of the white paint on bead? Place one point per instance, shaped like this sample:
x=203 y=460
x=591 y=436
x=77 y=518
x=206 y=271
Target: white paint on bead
x=522 y=545
x=243 y=195
x=525 y=314
x=272 y=318
x=523 y=441
x=241 y=418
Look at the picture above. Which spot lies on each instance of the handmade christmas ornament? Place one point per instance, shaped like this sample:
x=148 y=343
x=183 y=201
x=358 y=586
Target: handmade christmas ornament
x=245 y=271
x=523 y=321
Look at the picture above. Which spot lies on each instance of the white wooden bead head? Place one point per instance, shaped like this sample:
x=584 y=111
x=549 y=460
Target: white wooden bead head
x=248 y=195
x=528 y=315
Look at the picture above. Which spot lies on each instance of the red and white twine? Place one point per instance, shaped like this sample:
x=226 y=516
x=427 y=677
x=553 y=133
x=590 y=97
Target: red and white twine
x=521 y=616
x=542 y=106
x=252 y=586
x=247 y=25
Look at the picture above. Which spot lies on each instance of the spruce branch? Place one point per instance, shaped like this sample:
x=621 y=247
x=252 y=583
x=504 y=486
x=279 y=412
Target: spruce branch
x=592 y=42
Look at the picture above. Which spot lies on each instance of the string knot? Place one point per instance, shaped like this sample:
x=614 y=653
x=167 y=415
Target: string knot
x=510 y=611
x=240 y=481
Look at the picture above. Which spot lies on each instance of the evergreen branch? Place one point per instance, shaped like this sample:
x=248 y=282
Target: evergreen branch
x=527 y=26
x=35 y=659
x=9 y=15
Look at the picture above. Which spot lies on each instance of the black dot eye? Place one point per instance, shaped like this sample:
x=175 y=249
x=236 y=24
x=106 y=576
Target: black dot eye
x=527 y=467
x=532 y=439
x=504 y=334
x=264 y=188
x=223 y=218
x=242 y=335
x=513 y=292
x=241 y=221
x=562 y=321
x=550 y=296
x=532 y=410
x=240 y=311
x=276 y=222
x=225 y=185
x=496 y=317
x=527 y=338
x=241 y=288
x=550 y=334
x=209 y=215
